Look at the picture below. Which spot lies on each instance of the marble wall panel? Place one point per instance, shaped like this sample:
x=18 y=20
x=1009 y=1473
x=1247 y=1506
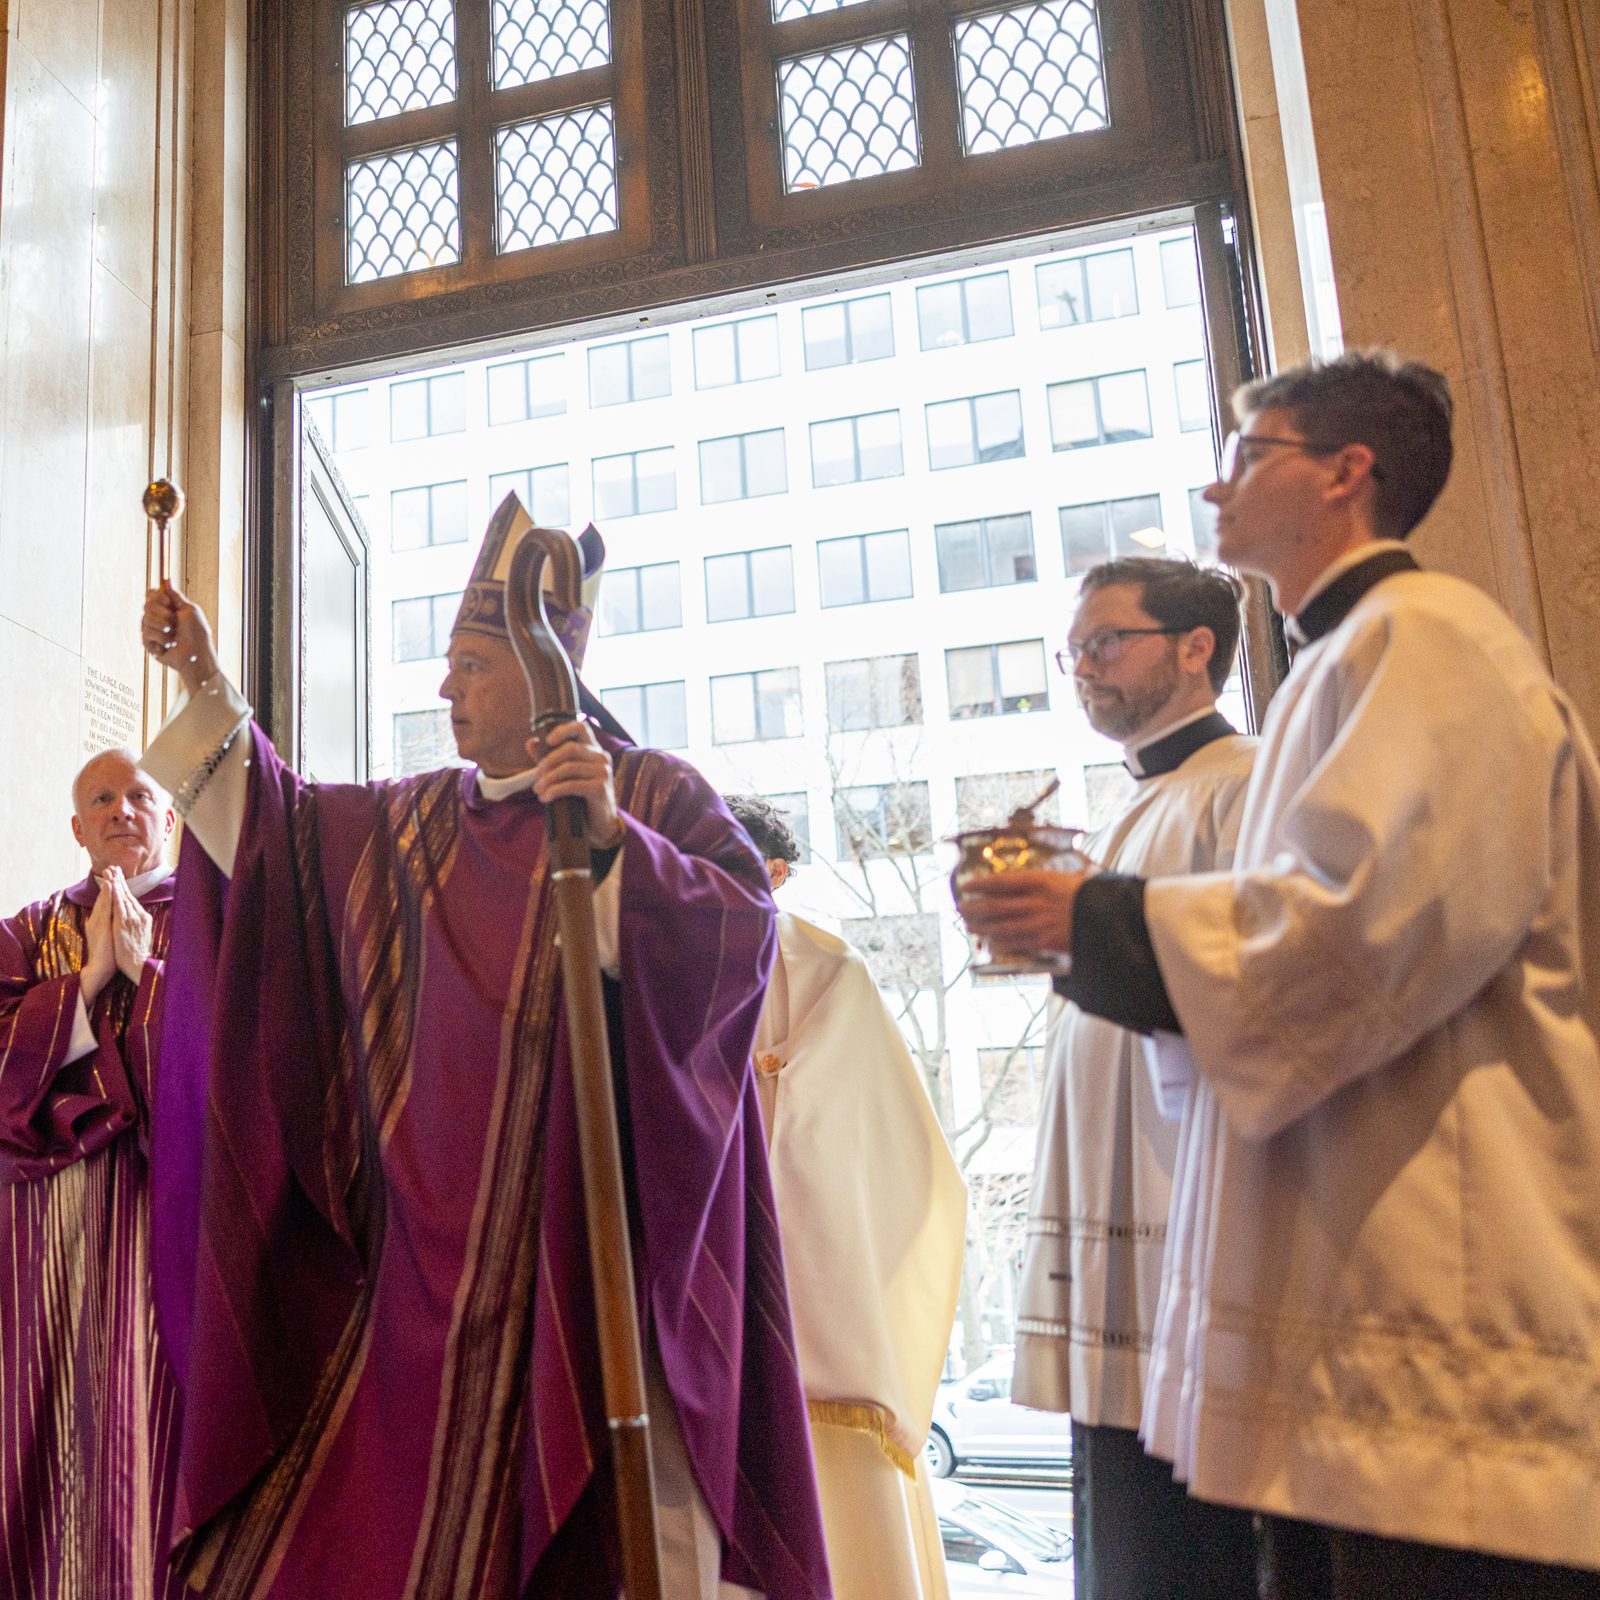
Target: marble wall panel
x=97 y=219
x=116 y=534
x=44 y=692
x=125 y=164
x=48 y=222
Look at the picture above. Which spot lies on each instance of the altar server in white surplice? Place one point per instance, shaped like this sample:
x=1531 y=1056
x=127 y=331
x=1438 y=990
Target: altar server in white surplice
x=1380 y=1324
x=1149 y=648
x=872 y=1211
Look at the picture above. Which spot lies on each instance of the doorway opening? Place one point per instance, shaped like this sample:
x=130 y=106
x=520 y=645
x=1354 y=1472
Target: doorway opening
x=844 y=526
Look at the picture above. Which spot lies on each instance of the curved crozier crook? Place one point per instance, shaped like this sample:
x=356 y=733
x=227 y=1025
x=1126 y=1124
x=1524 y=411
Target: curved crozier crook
x=552 y=685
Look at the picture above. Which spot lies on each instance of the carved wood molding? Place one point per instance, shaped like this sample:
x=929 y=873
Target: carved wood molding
x=694 y=130
x=700 y=169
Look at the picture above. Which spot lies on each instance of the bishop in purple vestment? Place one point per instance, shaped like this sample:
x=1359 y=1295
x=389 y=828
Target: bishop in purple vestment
x=88 y=1422
x=370 y=1236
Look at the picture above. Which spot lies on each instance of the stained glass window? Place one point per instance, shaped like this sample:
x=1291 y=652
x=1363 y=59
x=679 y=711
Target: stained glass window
x=398 y=56
x=848 y=113
x=556 y=178
x=1028 y=73
x=402 y=212
x=535 y=40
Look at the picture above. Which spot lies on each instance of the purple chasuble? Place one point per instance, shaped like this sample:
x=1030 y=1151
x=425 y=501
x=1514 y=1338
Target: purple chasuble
x=370 y=1243
x=88 y=1424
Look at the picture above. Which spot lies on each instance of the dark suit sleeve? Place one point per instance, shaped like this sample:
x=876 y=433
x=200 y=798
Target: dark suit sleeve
x=1114 y=972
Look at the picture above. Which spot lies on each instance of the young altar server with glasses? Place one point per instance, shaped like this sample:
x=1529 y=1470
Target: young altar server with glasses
x=1380 y=1320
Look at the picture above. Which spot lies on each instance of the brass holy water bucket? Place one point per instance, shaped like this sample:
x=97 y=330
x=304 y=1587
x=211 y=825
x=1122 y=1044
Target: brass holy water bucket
x=1018 y=843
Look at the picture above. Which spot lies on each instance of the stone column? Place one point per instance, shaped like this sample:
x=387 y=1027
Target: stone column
x=1456 y=149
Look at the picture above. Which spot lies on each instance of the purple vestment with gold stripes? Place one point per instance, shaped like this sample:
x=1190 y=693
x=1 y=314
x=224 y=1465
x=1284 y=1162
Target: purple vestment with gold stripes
x=370 y=1243
x=88 y=1424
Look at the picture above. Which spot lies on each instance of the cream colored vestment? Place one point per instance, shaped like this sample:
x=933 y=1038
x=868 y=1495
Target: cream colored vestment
x=872 y=1209
x=1382 y=1296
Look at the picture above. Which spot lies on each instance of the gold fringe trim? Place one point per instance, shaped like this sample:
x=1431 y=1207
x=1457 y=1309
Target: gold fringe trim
x=866 y=1419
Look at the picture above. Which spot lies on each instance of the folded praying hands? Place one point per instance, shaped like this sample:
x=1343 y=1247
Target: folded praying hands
x=119 y=934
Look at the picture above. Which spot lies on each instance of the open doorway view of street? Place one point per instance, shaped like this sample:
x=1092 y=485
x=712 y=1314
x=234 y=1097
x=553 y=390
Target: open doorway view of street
x=843 y=532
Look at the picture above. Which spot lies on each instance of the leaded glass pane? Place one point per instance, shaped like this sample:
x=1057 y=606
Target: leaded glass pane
x=556 y=178
x=1029 y=73
x=848 y=113
x=402 y=212
x=398 y=56
x=539 y=39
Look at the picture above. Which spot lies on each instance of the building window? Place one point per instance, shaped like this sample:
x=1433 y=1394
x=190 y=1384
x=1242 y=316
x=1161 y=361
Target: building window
x=422 y=626
x=856 y=449
x=1103 y=529
x=750 y=583
x=632 y=485
x=1203 y=524
x=855 y=330
x=864 y=567
x=876 y=820
x=637 y=369
x=902 y=952
x=988 y=553
x=1108 y=410
x=994 y=680
x=434 y=513
x=965 y=312
x=796 y=809
x=1194 y=395
x=641 y=599
x=988 y=799
x=423 y=407
x=876 y=692
x=519 y=391
x=1009 y=1080
x=985 y=427
x=742 y=467
x=746 y=706
x=1180 y=273
x=545 y=493
x=654 y=713
x=341 y=419
x=423 y=741
x=1107 y=787
x=736 y=352
x=1086 y=289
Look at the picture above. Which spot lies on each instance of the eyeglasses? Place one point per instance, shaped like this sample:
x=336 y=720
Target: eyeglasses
x=1238 y=448
x=1105 y=647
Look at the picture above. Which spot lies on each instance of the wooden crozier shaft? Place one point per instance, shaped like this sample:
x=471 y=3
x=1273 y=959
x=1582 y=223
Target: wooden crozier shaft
x=605 y=1203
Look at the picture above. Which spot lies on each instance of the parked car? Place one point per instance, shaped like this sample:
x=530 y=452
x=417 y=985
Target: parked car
x=974 y=1420
x=989 y=1549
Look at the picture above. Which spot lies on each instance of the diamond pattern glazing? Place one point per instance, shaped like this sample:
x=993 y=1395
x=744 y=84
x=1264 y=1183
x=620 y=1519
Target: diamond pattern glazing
x=788 y=10
x=402 y=212
x=848 y=113
x=556 y=178
x=1033 y=72
x=398 y=56
x=539 y=39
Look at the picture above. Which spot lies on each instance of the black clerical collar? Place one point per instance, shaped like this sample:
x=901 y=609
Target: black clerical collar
x=1330 y=606
x=1169 y=753
x=594 y=708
